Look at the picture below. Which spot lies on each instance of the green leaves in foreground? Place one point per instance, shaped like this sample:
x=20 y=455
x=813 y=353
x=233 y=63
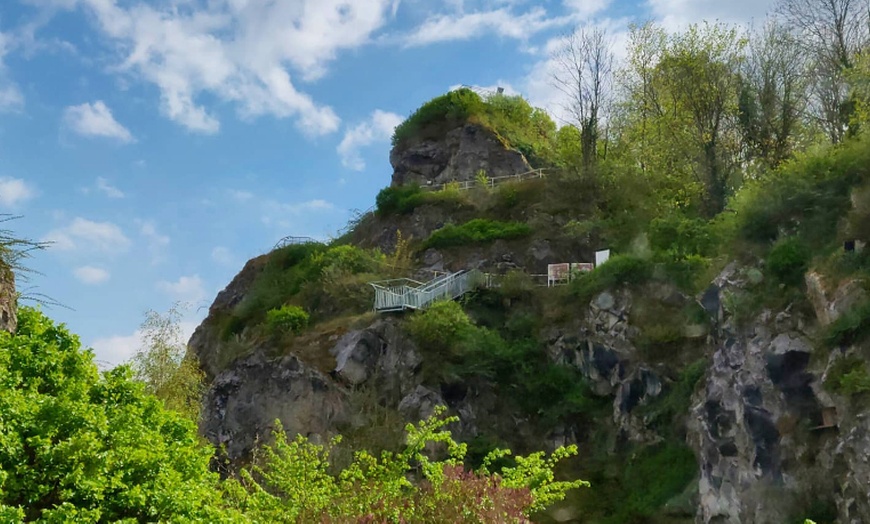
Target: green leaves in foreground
x=292 y=483
x=77 y=445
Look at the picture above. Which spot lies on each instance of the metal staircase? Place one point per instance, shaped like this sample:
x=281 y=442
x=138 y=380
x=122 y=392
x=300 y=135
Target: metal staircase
x=404 y=293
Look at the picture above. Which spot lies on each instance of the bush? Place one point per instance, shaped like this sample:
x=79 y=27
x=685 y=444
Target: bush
x=448 y=110
x=475 y=231
x=619 y=270
x=287 y=319
x=441 y=327
x=681 y=237
x=398 y=200
x=788 y=261
x=851 y=327
x=848 y=376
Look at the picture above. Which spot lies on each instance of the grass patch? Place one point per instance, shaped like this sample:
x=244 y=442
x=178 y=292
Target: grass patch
x=850 y=328
x=619 y=270
x=477 y=231
x=848 y=376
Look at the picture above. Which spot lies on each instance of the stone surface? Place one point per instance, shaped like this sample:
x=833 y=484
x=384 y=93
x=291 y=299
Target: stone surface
x=458 y=155
x=8 y=306
x=243 y=402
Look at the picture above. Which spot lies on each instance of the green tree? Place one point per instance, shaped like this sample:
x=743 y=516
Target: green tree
x=292 y=483
x=682 y=103
x=78 y=446
x=163 y=365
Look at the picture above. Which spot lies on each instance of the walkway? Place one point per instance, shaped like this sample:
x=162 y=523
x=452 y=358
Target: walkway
x=404 y=293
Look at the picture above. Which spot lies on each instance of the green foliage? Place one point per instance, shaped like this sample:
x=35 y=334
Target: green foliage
x=440 y=327
x=664 y=412
x=292 y=483
x=398 y=200
x=79 y=446
x=162 y=365
x=653 y=477
x=681 y=237
x=477 y=231
x=438 y=115
x=527 y=129
x=619 y=270
x=287 y=319
x=848 y=376
x=788 y=261
x=851 y=327
x=806 y=197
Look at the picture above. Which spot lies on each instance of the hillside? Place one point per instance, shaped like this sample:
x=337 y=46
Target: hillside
x=713 y=370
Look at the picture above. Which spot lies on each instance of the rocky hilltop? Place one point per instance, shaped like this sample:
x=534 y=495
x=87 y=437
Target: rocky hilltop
x=733 y=396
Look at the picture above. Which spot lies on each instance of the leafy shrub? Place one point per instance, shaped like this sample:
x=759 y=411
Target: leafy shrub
x=475 y=231
x=848 y=376
x=398 y=200
x=441 y=327
x=619 y=270
x=681 y=237
x=788 y=261
x=656 y=475
x=515 y=284
x=293 y=483
x=448 y=110
x=851 y=327
x=84 y=446
x=345 y=259
x=686 y=272
x=287 y=319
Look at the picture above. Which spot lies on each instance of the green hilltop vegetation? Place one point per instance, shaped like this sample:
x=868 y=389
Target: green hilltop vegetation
x=700 y=161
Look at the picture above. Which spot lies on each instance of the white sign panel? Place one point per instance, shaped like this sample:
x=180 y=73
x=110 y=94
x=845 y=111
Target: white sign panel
x=601 y=257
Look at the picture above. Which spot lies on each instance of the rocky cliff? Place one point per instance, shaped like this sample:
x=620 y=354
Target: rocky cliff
x=8 y=298
x=458 y=155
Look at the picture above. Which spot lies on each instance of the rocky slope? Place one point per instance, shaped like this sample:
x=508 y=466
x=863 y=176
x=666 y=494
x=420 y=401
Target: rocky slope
x=456 y=156
x=746 y=394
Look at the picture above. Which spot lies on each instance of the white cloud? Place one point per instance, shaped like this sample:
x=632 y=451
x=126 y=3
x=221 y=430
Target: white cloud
x=14 y=191
x=118 y=349
x=185 y=289
x=89 y=235
x=502 y=22
x=240 y=51
x=108 y=189
x=309 y=206
x=156 y=242
x=222 y=256
x=91 y=274
x=379 y=128
x=239 y=195
x=11 y=98
x=676 y=14
x=96 y=120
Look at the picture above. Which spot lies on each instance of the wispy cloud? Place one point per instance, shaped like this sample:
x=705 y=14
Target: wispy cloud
x=108 y=189
x=91 y=275
x=185 y=289
x=154 y=240
x=379 y=128
x=15 y=191
x=96 y=120
x=84 y=234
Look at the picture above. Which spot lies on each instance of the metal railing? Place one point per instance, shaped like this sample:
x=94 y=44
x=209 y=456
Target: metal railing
x=404 y=293
x=290 y=241
x=490 y=182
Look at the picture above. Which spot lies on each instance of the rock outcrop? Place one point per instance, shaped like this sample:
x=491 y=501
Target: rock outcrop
x=8 y=304
x=758 y=427
x=458 y=155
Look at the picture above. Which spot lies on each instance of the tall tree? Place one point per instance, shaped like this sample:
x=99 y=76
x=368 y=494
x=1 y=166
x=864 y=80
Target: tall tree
x=832 y=32
x=681 y=91
x=163 y=366
x=584 y=74
x=773 y=91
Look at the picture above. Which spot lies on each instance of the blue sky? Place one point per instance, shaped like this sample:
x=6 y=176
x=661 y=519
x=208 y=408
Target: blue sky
x=162 y=144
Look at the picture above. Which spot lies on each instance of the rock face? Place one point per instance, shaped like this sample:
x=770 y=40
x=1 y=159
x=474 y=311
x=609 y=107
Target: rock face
x=8 y=307
x=756 y=425
x=458 y=155
x=207 y=343
x=244 y=401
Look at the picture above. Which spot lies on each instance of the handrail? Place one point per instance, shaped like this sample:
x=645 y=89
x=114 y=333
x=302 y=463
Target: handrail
x=402 y=294
x=491 y=182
